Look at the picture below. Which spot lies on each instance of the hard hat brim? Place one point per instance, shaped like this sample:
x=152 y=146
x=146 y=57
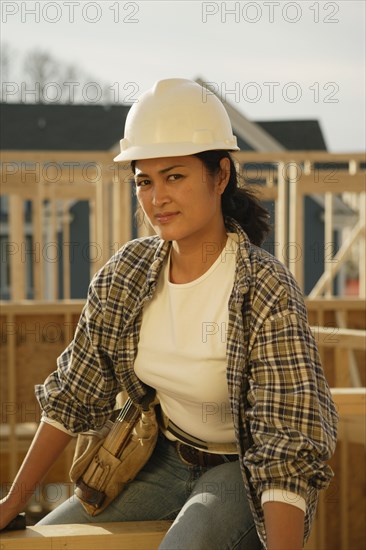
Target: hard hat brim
x=159 y=150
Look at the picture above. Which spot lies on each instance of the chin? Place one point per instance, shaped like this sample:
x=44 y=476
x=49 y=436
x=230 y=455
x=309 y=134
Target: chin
x=168 y=234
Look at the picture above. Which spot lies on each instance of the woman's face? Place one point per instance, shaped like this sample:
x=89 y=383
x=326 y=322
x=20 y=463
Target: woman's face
x=181 y=200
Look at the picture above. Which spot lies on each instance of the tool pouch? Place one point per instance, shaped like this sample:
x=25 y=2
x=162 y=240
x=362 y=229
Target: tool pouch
x=105 y=461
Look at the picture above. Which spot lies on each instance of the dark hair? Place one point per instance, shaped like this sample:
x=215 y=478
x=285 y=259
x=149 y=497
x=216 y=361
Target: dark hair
x=239 y=203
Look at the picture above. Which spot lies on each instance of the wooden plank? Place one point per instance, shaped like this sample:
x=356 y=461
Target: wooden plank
x=362 y=250
x=63 y=179
x=144 y=535
x=54 y=262
x=33 y=307
x=350 y=401
x=66 y=220
x=335 y=304
x=58 y=306
x=344 y=489
x=92 y=233
x=299 y=156
x=121 y=207
x=355 y=429
x=242 y=156
x=350 y=183
x=37 y=222
x=100 y=156
x=339 y=259
x=80 y=191
x=342 y=376
x=328 y=241
x=296 y=231
x=354 y=373
x=12 y=399
x=340 y=337
x=322 y=527
x=281 y=209
x=102 y=221
x=17 y=246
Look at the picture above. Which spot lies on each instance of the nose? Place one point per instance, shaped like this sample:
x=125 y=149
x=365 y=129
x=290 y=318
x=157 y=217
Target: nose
x=159 y=195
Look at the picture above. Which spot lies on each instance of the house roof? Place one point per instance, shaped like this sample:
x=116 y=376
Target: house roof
x=296 y=135
x=61 y=127
x=100 y=127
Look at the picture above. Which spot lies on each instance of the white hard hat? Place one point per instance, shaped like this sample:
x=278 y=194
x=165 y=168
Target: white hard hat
x=176 y=117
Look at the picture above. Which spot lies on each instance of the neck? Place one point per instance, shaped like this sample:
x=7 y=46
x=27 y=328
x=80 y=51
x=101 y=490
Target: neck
x=188 y=261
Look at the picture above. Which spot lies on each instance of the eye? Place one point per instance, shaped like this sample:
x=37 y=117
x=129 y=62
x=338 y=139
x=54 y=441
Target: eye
x=142 y=183
x=175 y=177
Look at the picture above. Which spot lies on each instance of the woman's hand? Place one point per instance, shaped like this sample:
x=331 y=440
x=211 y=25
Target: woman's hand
x=46 y=447
x=8 y=511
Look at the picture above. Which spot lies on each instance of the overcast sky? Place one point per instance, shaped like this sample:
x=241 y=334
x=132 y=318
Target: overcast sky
x=273 y=60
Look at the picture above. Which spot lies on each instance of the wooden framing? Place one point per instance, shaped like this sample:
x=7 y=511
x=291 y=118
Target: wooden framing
x=285 y=177
x=24 y=322
x=142 y=535
x=28 y=175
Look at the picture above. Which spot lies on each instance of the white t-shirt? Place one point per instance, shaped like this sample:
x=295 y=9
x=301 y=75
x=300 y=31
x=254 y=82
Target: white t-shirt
x=182 y=349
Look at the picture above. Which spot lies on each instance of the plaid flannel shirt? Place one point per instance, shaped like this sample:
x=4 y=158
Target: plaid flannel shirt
x=284 y=417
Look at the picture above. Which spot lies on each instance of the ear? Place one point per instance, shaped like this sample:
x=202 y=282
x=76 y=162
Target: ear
x=224 y=175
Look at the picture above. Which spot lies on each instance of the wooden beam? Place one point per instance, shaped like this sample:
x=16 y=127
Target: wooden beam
x=11 y=418
x=101 y=156
x=53 y=233
x=33 y=307
x=339 y=258
x=9 y=155
x=340 y=337
x=37 y=223
x=296 y=231
x=299 y=156
x=75 y=191
x=328 y=241
x=66 y=221
x=350 y=401
x=142 y=535
x=341 y=367
x=335 y=304
x=362 y=250
x=17 y=247
x=344 y=487
x=281 y=209
x=351 y=183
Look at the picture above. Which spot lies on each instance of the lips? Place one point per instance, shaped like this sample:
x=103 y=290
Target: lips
x=164 y=217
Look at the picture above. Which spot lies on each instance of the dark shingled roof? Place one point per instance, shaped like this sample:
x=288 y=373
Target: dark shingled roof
x=100 y=127
x=296 y=135
x=61 y=127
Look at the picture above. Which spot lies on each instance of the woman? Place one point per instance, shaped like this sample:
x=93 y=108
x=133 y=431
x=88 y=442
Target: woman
x=218 y=327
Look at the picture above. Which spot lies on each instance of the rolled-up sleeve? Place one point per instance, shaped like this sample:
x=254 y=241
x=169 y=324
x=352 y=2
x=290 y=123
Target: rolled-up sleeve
x=292 y=417
x=81 y=393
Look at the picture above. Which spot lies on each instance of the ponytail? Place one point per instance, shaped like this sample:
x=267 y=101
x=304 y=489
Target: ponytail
x=238 y=202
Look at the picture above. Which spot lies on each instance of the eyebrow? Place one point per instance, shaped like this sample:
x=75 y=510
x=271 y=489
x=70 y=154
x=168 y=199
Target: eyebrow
x=141 y=175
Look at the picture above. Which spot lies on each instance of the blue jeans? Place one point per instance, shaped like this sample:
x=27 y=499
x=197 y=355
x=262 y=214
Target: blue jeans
x=208 y=505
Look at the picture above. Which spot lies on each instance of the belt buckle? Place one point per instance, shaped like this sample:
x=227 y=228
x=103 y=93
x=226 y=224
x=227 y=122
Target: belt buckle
x=178 y=446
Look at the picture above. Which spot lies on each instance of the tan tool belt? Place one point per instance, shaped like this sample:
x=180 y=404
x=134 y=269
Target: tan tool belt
x=105 y=461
